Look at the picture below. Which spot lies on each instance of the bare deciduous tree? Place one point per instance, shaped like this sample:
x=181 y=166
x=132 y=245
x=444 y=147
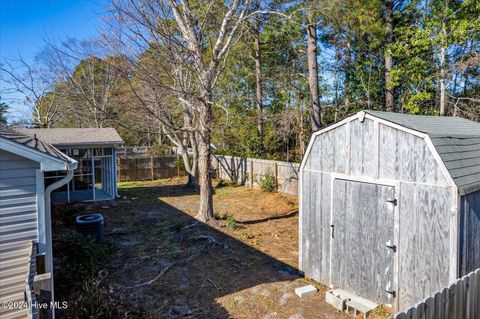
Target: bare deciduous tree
x=311 y=27
x=32 y=84
x=183 y=36
x=389 y=106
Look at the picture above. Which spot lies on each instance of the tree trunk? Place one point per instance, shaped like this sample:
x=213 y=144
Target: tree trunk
x=389 y=102
x=442 y=81
x=258 y=75
x=348 y=62
x=190 y=139
x=193 y=176
x=302 y=129
x=205 y=211
x=442 y=68
x=313 y=73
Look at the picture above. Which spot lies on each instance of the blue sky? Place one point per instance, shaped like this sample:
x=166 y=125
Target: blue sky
x=26 y=24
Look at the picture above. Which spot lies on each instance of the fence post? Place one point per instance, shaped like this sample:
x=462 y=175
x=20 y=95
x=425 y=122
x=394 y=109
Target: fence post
x=276 y=177
x=131 y=167
x=251 y=173
x=233 y=172
x=118 y=172
x=151 y=168
x=177 y=165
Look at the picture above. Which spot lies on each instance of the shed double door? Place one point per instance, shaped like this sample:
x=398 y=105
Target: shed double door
x=362 y=239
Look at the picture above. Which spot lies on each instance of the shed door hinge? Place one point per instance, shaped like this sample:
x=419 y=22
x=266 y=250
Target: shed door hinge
x=393 y=201
x=392 y=292
x=392 y=247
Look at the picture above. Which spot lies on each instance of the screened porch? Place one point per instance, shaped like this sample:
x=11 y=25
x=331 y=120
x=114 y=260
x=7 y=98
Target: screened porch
x=93 y=180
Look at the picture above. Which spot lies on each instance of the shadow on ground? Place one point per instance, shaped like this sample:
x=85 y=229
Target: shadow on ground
x=172 y=266
x=165 y=235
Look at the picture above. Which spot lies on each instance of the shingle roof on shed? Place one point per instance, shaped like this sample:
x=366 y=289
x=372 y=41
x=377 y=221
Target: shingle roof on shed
x=34 y=143
x=75 y=136
x=456 y=140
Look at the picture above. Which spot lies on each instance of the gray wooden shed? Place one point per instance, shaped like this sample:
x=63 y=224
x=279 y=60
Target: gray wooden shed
x=390 y=205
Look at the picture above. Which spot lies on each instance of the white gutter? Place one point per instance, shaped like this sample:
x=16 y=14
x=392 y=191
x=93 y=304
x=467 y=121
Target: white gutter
x=48 y=224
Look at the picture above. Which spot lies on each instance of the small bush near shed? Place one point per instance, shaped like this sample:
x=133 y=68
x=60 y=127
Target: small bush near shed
x=231 y=222
x=268 y=182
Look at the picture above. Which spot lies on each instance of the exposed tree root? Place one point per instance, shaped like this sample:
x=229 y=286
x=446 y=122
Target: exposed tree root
x=210 y=241
x=191 y=225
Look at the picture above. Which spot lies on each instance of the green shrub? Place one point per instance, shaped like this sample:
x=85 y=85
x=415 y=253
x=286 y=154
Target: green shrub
x=268 y=182
x=180 y=163
x=82 y=258
x=93 y=300
x=63 y=215
x=231 y=222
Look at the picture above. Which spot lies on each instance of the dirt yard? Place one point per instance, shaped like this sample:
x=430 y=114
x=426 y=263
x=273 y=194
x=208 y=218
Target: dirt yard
x=168 y=265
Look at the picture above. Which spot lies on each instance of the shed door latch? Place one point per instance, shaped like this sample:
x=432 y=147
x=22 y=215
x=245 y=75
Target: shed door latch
x=333 y=230
x=393 y=293
x=393 y=201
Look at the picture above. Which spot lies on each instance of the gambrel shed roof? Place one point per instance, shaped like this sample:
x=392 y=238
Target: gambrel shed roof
x=456 y=140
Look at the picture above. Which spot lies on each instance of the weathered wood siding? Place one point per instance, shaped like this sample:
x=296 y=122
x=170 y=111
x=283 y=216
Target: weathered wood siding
x=315 y=226
x=469 y=233
x=424 y=247
x=364 y=223
x=18 y=224
x=373 y=150
x=397 y=155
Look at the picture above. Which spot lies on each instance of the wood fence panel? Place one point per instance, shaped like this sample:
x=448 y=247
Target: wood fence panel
x=461 y=300
x=250 y=171
x=243 y=171
x=147 y=168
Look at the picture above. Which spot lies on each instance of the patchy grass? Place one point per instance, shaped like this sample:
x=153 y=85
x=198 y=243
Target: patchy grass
x=144 y=192
x=381 y=312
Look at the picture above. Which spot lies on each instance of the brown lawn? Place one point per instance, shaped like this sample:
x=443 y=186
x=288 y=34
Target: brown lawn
x=168 y=265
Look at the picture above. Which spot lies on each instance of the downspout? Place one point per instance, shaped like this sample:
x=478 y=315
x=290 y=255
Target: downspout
x=114 y=152
x=48 y=225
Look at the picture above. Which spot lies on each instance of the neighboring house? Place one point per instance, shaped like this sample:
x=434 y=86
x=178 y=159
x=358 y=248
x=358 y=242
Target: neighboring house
x=25 y=222
x=390 y=205
x=94 y=149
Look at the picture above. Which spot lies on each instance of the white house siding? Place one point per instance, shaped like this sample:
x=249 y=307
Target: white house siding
x=18 y=226
x=372 y=150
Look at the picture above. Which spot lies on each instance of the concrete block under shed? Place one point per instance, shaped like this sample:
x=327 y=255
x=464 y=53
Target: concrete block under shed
x=336 y=300
x=346 y=301
x=305 y=291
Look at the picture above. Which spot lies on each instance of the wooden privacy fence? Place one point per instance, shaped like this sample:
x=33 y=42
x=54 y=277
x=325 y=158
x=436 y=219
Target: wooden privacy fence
x=147 y=168
x=244 y=171
x=250 y=171
x=459 y=301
